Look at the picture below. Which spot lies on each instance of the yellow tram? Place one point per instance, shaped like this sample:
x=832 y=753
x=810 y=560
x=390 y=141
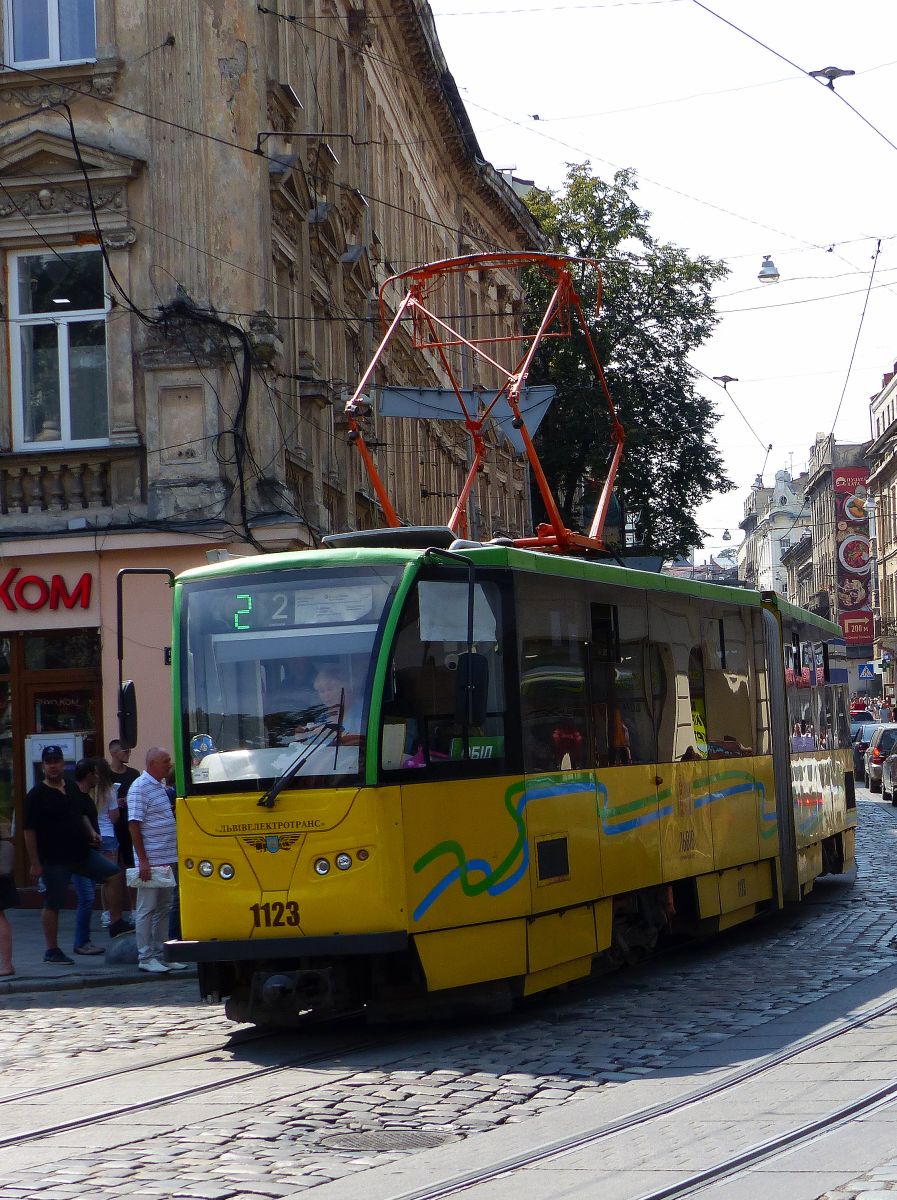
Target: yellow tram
x=440 y=770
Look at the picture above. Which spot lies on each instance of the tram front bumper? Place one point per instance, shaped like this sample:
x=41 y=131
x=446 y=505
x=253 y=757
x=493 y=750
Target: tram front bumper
x=287 y=949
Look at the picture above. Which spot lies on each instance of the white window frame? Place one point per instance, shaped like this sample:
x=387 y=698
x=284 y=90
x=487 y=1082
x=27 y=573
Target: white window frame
x=61 y=320
x=54 y=59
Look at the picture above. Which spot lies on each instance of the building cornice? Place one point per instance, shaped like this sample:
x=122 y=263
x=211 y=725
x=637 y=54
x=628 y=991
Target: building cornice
x=415 y=20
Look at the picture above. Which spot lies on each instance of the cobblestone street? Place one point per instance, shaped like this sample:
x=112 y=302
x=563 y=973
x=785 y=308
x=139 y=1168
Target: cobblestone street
x=410 y=1088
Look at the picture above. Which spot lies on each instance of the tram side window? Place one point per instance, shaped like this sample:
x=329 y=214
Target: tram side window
x=708 y=708
x=553 y=704
x=622 y=681
x=679 y=712
x=728 y=699
x=553 y=632
x=763 y=740
x=424 y=713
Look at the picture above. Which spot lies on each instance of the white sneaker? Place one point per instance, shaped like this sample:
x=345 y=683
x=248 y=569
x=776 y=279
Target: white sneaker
x=176 y=966
x=105 y=920
x=153 y=966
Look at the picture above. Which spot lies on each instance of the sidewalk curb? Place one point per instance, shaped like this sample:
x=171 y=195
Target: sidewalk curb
x=70 y=983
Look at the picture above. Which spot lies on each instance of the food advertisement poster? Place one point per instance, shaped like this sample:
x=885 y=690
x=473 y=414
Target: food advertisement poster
x=854 y=578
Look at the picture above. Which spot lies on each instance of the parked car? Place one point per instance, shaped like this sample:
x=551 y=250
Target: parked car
x=882 y=742
x=889 y=779
x=864 y=714
x=860 y=736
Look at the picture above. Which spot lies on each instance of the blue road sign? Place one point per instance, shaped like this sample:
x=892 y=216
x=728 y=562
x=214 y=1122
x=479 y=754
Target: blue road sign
x=867 y=670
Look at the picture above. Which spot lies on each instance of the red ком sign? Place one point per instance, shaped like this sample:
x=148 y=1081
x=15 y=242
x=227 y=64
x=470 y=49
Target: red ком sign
x=31 y=592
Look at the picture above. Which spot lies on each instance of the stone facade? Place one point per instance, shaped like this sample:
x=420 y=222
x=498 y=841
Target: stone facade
x=255 y=178
x=773 y=521
x=199 y=202
x=882 y=456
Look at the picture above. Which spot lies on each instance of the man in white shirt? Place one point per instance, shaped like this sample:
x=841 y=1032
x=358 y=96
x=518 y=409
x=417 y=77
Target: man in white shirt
x=151 y=823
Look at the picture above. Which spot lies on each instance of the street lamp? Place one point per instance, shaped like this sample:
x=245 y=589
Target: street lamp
x=725 y=380
x=769 y=272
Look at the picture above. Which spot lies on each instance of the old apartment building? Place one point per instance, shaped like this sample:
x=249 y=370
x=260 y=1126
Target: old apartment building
x=198 y=204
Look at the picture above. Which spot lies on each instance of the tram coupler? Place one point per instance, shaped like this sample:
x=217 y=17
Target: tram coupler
x=281 y=995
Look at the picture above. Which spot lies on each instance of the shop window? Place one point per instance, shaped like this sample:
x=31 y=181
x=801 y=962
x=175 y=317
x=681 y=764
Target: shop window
x=79 y=650
x=50 y=32
x=57 y=312
x=64 y=710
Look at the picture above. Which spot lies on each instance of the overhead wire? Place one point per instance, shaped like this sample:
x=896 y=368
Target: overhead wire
x=771 y=50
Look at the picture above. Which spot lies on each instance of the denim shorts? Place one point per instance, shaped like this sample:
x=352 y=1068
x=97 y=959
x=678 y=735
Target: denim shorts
x=109 y=847
x=57 y=876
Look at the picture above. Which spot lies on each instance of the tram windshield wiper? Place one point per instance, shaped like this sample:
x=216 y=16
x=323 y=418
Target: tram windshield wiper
x=327 y=728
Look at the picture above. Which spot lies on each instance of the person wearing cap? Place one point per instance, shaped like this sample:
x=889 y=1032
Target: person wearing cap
x=61 y=842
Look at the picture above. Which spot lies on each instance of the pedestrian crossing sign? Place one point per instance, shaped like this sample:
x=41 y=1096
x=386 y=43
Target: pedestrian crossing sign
x=867 y=670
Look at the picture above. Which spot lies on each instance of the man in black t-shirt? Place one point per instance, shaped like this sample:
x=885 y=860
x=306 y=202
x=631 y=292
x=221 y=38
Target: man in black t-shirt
x=61 y=842
x=124 y=776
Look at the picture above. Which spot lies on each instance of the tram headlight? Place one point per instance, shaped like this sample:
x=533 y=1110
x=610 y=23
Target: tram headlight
x=226 y=871
x=343 y=861
x=205 y=868
x=322 y=866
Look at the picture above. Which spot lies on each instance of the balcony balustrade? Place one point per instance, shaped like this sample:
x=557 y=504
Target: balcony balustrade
x=72 y=482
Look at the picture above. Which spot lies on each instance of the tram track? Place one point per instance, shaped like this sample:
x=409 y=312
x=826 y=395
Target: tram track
x=106 y=1114
x=557 y=1149
x=166 y=1060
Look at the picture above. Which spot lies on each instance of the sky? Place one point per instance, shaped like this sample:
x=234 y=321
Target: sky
x=739 y=154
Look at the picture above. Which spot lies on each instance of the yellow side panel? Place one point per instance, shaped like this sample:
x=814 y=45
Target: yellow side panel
x=560 y=937
x=708 y=895
x=630 y=831
x=467 y=852
x=809 y=862
x=562 y=823
x=745 y=885
x=734 y=807
x=849 y=840
x=275 y=891
x=765 y=795
x=604 y=920
x=727 y=920
x=472 y=954
x=555 y=976
x=809 y=797
x=686 y=835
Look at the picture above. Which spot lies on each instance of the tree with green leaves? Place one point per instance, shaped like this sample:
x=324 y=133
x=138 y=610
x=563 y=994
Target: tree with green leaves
x=655 y=309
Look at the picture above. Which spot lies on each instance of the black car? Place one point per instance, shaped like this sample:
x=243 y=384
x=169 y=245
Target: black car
x=860 y=736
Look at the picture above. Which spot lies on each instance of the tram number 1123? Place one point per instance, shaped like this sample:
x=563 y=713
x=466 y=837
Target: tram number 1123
x=274 y=914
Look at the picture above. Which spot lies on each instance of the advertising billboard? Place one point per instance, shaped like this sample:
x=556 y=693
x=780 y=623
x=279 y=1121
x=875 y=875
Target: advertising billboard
x=854 y=565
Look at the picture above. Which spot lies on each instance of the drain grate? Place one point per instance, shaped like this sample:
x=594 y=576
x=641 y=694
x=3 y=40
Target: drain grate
x=386 y=1139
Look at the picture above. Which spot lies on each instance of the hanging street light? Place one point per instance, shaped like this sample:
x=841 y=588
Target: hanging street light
x=769 y=272
x=830 y=74
x=725 y=380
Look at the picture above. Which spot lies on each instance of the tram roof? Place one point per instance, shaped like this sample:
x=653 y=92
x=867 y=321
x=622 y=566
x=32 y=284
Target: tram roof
x=538 y=562
x=564 y=567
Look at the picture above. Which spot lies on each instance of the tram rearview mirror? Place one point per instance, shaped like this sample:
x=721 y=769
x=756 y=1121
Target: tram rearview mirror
x=127 y=714
x=471 y=689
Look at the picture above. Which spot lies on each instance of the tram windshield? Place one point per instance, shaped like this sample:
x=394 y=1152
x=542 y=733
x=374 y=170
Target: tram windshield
x=277 y=666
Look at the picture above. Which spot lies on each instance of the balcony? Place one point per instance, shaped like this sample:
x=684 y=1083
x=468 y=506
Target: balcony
x=37 y=489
